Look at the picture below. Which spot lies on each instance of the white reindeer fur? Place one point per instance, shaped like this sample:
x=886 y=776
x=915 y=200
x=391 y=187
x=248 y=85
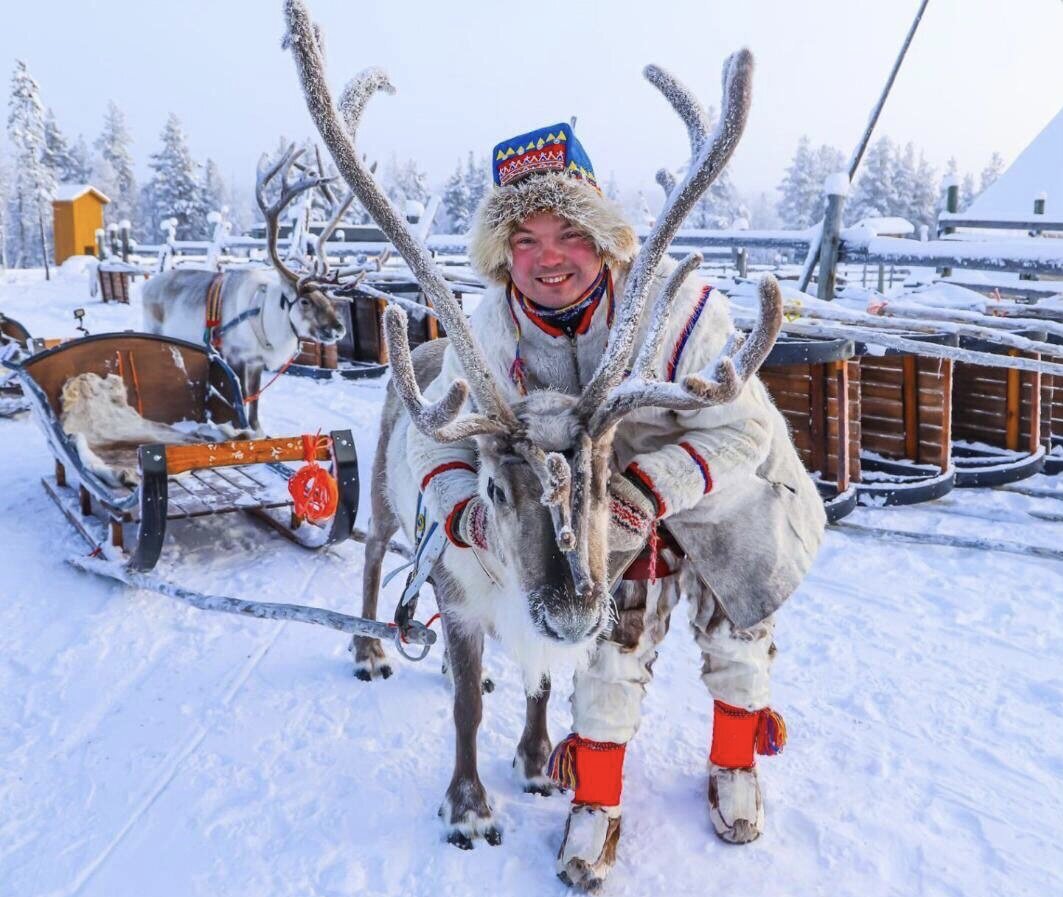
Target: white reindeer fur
x=182 y=294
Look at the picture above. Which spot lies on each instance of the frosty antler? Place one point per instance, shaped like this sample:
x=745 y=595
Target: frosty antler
x=288 y=191
x=709 y=154
x=717 y=383
x=339 y=137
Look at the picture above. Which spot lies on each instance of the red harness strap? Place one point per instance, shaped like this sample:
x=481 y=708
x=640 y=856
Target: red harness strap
x=595 y=769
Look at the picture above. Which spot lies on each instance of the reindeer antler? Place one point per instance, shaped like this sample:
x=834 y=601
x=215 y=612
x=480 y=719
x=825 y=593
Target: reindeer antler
x=709 y=154
x=288 y=192
x=339 y=136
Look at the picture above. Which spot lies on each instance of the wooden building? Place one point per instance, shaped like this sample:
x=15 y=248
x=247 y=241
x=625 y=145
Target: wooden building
x=77 y=214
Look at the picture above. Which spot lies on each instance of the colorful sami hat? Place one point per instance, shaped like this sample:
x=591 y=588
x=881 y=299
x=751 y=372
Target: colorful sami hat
x=554 y=148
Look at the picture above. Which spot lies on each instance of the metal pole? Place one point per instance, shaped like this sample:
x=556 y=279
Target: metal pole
x=858 y=152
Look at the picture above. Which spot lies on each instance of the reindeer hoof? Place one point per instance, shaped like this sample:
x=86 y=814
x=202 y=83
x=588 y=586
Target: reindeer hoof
x=543 y=789
x=464 y=842
x=487 y=685
x=493 y=836
x=373 y=668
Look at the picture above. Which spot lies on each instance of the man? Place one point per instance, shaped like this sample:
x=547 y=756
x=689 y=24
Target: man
x=717 y=498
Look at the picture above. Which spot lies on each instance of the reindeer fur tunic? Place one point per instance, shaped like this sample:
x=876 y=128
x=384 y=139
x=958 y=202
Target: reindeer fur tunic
x=749 y=518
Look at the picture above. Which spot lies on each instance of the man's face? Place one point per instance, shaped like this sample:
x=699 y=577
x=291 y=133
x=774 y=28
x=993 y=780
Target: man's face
x=554 y=262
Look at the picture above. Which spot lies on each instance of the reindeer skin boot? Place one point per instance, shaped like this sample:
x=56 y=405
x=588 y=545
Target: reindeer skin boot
x=735 y=804
x=595 y=770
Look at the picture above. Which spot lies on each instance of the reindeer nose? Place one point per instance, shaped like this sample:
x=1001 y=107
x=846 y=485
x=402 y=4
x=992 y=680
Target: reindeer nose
x=571 y=625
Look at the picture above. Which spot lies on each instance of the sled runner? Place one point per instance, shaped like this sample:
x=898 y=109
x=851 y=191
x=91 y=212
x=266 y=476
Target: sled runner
x=125 y=492
x=905 y=423
x=996 y=418
x=805 y=377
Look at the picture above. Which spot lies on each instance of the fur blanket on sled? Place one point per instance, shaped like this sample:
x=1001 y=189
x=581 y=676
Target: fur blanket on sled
x=107 y=431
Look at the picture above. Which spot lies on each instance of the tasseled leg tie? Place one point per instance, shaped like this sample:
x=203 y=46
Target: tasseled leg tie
x=738 y=733
x=593 y=769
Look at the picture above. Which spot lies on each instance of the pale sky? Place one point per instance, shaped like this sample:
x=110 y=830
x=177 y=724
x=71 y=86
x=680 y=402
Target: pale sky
x=982 y=75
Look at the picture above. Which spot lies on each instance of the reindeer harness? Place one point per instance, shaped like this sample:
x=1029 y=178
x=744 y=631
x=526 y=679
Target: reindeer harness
x=215 y=329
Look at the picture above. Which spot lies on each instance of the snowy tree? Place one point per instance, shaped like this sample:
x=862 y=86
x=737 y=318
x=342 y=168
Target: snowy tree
x=923 y=206
x=798 y=188
x=967 y=193
x=81 y=163
x=174 y=190
x=405 y=181
x=477 y=179
x=874 y=194
x=113 y=170
x=992 y=171
x=58 y=155
x=33 y=183
x=3 y=210
x=612 y=189
x=456 y=202
x=904 y=175
x=214 y=193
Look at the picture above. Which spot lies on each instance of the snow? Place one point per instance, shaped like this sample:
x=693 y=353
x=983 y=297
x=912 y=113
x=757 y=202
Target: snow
x=837 y=184
x=70 y=192
x=150 y=748
x=1035 y=174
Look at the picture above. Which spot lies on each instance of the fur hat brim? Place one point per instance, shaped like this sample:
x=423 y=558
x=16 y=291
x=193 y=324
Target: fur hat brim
x=504 y=208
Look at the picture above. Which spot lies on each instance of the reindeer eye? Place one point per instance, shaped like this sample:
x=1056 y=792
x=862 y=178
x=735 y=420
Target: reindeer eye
x=304 y=302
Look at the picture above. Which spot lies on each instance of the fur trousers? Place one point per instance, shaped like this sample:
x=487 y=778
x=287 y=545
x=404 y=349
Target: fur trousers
x=736 y=663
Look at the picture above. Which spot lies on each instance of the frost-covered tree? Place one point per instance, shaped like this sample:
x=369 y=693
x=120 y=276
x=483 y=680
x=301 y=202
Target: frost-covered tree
x=612 y=189
x=456 y=202
x=81 y=162
x=174 y=189
x=58 y=155
x=113 y=169
x=801 y=203
x=874 y=194
x=405 y=181
x=214 y=193
x=477 y=179
x=3 y=209
x=904 y=174
x=32 y=185
x=992 y=171
x=923 y=206
x=967 y=193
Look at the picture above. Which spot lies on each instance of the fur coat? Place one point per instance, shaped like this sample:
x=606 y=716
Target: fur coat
x=736 y=496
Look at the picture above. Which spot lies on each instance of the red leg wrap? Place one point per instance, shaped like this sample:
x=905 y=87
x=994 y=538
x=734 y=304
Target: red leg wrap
x=594 y=769
x=737 y=733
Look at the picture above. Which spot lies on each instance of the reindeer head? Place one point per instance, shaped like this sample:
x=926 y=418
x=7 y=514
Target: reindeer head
x=545 y=460
x=310 y=313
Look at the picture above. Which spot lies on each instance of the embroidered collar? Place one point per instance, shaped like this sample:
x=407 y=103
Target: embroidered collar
x=572 y=320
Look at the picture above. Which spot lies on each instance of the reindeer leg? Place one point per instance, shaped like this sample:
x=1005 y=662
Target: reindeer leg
x=465 y=811
x=369 y=659
x=251 y=378
x=533 y=749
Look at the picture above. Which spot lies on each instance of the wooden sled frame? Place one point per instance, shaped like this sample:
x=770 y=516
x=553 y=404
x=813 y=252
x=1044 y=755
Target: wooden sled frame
x=235 y=475
x=805 y=377
x=1000 y=408
x=905 y=423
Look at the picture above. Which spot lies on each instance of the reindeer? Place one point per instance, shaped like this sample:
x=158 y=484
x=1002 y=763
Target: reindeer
x=543 y=584
x=262 y=315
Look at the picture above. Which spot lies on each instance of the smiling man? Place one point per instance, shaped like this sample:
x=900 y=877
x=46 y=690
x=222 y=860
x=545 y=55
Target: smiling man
x=738 y=518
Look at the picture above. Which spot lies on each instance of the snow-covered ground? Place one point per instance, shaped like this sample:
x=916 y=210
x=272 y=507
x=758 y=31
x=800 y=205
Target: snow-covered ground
x=149 y=749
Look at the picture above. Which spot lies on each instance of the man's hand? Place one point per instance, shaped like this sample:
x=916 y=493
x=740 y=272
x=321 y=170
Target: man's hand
x=631 y=514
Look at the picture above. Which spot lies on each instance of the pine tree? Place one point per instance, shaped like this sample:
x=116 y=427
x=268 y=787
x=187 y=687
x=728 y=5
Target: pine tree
x=967 y=192
x=992 y=171
x=174 y=190
x=925 y=194
x=33 y=183
x=904 y=176
x=874 y=195
x=214 y=195
x=3 y=210
x=406 y=181
x=456 y=202
x=114 y=166
x=477 y=180
x=81 y=162
x=57 y=154
x=796 y=188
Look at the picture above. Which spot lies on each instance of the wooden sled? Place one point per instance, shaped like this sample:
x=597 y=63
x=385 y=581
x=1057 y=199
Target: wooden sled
x=996 y=418
x=168 y=381
x=805 y=378
x=14 y=345
x=905 y=423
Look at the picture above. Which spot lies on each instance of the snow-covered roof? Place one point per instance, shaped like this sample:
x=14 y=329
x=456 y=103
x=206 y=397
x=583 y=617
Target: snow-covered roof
x=70 y=192
x=1037 y=170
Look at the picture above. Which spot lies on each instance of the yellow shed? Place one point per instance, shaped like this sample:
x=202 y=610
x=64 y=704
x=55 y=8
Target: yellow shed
x=77 y=212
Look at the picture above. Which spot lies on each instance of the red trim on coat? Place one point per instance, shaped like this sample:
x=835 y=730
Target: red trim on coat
x=684 y=334
x=662 y=507
x=703 y=465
